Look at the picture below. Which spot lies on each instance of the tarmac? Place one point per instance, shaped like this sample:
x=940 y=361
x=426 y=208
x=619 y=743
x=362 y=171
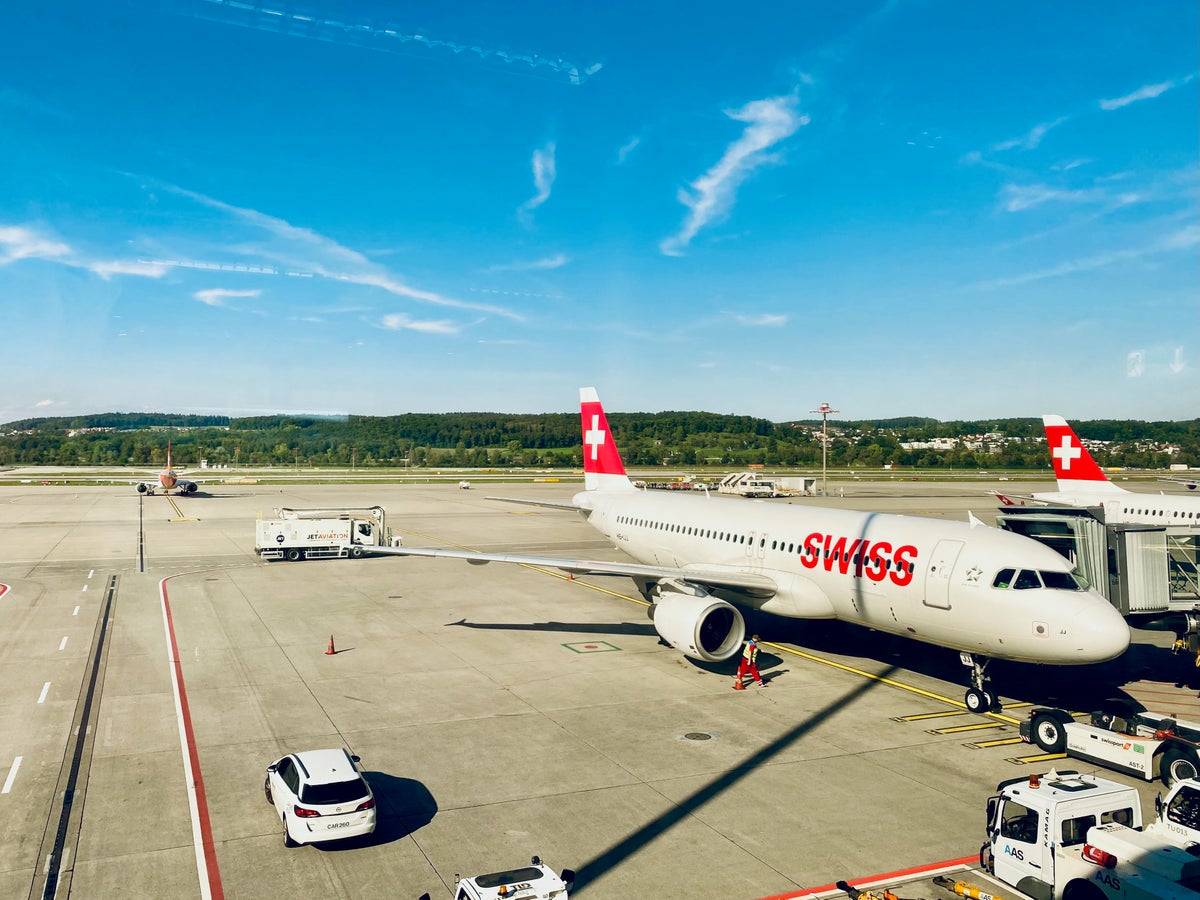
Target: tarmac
x=151 y=666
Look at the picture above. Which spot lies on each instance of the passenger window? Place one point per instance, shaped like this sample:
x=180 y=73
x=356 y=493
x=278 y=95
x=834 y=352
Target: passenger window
x=1027 y=579
x=1020 y=823
x=1004 y=578
x=1074 y=831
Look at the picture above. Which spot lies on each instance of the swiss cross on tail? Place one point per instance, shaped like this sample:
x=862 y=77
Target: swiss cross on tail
x=602 y=467
x=1071 y=460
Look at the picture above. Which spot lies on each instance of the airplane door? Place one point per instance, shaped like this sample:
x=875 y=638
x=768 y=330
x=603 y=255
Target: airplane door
x=937 y=576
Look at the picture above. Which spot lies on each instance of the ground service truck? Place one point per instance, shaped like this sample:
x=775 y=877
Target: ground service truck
x=322 y=533
x=1121 y=735
x=535 y=881
x=1065 y=836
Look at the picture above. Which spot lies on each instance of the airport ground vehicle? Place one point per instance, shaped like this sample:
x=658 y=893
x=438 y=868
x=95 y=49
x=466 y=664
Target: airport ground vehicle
x=1065 y=836
x=322 y=533
x=535 y=881
x=1121 y=735
x=319 y=795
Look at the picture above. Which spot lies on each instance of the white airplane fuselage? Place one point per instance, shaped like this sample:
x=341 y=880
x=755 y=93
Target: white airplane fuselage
x=927 y=579
x=1122 y=507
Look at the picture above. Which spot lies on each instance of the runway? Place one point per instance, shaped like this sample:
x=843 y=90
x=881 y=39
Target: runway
x=500 y=711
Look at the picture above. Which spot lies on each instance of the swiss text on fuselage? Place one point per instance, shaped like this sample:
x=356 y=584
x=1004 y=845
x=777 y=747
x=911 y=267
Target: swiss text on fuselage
x=860 y=556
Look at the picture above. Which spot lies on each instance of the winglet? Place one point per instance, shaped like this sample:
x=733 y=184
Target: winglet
x=1073 y=465
x=602 y=467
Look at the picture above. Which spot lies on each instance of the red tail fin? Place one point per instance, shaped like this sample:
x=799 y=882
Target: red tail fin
x=602 y=467
x=1073 y=465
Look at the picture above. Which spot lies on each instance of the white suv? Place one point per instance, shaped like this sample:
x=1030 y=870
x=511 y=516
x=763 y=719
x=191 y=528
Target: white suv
x=320 y=796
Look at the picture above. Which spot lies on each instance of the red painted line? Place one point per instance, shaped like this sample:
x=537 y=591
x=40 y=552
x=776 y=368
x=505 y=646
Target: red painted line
x=3 y=589
x=966 y=861
x=206 y=851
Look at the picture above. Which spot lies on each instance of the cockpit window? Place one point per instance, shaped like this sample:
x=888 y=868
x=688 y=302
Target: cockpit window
x=1061 y=581
x=1004 y=578
x=1027 y=579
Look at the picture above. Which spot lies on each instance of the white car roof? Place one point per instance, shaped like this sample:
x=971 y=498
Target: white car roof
x=326 y=766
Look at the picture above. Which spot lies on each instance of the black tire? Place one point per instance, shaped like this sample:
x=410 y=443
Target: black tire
x=356 y=552
x=291 y=554
x=287 y=838
x=977 y=701
x=1177 y=764
x=1083 y=890
x=267 y=790
x=990 y=699
x=1049 y=734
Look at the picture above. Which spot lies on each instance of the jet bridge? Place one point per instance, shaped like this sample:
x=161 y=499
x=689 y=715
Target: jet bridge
x=1148 y=572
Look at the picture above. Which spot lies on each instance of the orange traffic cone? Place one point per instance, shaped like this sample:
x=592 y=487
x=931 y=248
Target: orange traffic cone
x=330 y=651
x=738 y=686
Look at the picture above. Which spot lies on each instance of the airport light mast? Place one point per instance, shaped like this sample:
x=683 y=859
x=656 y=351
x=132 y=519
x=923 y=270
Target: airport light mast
x=826 y=411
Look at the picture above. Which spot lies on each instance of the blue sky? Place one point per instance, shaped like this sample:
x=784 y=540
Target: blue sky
x=946 y=209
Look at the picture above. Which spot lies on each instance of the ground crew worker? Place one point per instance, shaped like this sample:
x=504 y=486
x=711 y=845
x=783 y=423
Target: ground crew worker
x=749 y=664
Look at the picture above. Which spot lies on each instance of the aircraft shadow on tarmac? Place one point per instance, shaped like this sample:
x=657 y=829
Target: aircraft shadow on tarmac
x=403 y=805
x=631 y=628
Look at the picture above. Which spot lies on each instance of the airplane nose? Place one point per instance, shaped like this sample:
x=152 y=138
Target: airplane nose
x=1100 y=632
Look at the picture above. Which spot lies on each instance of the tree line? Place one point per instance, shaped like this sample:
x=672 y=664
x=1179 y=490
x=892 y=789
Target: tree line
x=676 y=439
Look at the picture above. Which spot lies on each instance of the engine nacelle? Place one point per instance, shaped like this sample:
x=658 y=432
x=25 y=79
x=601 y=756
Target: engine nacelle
x=143 y=488
x=699 y=626
x=186 y=487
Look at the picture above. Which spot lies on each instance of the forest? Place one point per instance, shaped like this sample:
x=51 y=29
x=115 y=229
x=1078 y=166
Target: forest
x=679 y=440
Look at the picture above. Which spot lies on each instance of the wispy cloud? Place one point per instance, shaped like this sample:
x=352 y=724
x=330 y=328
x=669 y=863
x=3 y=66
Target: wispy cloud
x=1183 y=239
x=22 y=243
x=1030 y=140
x=1135 y=363
x=403 y=322
x=544 y=173
x=1018 y=197
x=557 y=261
x=626 y=149
x=106 y=269
x=218 y=296
x=1146 y=92
x=711 y=196
x=310 y=252
x=761 y=320
x=42 y=404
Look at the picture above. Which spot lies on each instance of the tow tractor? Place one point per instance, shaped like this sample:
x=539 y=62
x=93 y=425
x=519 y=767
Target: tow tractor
x=535 y=881
x=1065 y=836
x=1121 y=735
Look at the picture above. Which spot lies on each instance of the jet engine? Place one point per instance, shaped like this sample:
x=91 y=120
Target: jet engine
x=186 y=487
x=699 y=626
x=142 y=487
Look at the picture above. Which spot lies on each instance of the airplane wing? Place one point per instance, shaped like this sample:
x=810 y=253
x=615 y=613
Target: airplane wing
x=1017 y=499
x=759 y=585
x=547 y=503
x=1189 y=483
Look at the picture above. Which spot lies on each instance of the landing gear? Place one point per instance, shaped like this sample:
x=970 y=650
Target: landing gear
x=978 y=699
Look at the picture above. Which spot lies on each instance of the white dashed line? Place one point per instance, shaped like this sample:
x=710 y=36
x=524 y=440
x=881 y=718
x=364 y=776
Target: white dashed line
x=63 y=645
x=45 y=691
x=12 y=776
x=76 y=611
x=85 y=588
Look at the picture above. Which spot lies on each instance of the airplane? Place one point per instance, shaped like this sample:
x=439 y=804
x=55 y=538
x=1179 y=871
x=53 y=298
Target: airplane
x=1081 y=482
x=168 y=478
x=701 y=559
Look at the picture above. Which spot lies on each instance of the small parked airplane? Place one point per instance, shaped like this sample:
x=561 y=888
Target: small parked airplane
x=168 y=479
x=1081 y=482
x=988 y=593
